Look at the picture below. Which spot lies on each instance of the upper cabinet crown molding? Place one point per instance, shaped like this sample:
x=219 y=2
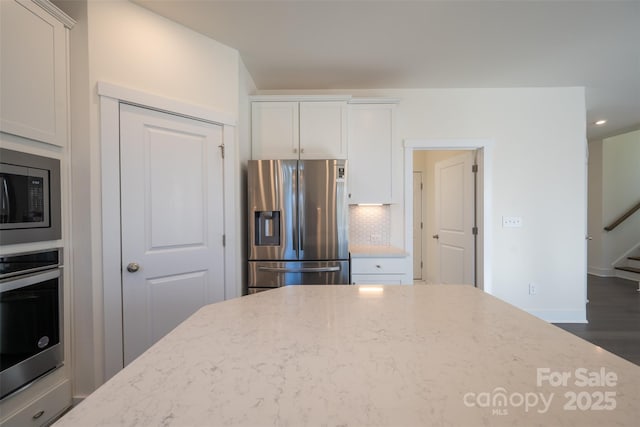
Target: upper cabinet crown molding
x=298 y=98
x=54 y=11
x=374 y=101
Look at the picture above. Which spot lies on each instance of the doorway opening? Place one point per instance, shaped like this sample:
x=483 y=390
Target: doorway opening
x=454 y=245
x=445 y=223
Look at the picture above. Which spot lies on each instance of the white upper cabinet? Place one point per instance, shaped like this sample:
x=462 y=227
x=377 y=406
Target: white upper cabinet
x=274 y=130
x=33 y=70
x=312 y=129
x=371 y=156
x=323 y=130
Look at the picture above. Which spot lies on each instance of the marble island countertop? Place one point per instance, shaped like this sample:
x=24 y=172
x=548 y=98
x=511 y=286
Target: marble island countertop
x=369 y=251
x=367 y=355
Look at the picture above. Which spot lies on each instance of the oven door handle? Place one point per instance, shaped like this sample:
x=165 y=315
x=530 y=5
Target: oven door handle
x=300 y=270
x=30 y=279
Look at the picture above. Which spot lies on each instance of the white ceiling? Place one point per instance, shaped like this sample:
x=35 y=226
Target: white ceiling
x=367 y=44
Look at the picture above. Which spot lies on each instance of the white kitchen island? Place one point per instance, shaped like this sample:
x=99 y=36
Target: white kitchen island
x=367 y=355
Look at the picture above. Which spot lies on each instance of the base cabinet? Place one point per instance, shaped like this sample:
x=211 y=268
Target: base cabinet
x=381 y=271
x=44 y=410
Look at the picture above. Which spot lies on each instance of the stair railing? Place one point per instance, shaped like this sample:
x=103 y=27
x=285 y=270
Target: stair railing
x=622 y=218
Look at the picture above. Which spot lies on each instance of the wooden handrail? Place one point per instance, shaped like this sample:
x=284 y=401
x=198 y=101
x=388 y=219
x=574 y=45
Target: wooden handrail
x=620 y=220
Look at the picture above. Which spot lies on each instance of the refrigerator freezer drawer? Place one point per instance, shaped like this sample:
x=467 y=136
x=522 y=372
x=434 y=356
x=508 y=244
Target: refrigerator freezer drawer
x=273 y=274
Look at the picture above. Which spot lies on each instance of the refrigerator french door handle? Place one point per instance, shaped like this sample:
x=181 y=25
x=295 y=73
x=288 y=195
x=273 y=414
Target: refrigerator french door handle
x=296 y=209
x=301 y=233
x=301 y=213
x=300 y=270
x=5 y=203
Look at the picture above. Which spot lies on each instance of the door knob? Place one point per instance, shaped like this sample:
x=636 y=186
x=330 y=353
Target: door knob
x=435 y=236
x=133 y=267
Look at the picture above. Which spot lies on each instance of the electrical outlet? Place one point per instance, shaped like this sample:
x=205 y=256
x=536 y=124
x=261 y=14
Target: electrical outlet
x=512 y=221
x=532 y=289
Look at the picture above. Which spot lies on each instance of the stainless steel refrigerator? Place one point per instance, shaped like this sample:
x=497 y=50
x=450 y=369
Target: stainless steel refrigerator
x=298 y=223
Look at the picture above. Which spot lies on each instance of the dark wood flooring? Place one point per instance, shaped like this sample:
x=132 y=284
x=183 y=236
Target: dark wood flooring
x=613 y=313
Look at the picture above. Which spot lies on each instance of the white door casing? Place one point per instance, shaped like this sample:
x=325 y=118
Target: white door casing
x=172 y=222
x=455 y=219
x=418 y=225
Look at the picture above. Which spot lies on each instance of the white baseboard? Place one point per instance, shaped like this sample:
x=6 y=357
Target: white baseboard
x=561 y=316
x=601 y=272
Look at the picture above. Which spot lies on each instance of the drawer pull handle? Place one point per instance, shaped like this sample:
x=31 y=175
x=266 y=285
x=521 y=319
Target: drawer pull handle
x=378 y=266
x=38 y=415
x=300 y=270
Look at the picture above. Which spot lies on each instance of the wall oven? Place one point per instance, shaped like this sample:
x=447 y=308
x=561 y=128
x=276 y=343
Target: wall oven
x=29 y=197
x=31 y=320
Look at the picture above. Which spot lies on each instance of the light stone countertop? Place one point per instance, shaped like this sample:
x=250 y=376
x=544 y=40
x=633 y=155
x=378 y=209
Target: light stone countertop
x=366 y=251
x=365 y=355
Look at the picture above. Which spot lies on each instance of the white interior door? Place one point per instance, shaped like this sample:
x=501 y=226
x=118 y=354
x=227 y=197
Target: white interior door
x=455 y=219
x=172 y=222
x=418 y=225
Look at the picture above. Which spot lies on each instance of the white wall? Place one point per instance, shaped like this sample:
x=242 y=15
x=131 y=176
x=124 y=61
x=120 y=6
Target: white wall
x=133 y=47
x=124 y=44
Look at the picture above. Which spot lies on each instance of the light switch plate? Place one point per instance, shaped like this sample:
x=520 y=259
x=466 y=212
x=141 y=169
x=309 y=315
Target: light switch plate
x=512 y=221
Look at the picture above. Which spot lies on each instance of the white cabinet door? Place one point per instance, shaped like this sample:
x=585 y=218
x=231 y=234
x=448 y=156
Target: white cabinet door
x=298 y=130
x=371 y=153
x=274 y=130
x=33 y=73
x=323 y=130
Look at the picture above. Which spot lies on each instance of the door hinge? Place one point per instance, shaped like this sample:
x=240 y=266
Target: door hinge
x=221 y=150
x=474 y=168
x=421 y=186
x=421 y=264
x=421 y=225
x=224 y=240
x=474 y=230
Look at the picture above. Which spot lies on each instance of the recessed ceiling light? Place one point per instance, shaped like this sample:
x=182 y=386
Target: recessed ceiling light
x=599 y=122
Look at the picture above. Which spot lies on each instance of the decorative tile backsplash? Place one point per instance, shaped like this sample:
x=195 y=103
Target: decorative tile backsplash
x=369 y=225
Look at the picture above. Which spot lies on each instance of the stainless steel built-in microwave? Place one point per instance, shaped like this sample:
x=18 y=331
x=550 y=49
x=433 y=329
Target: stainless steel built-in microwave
x=29 y=198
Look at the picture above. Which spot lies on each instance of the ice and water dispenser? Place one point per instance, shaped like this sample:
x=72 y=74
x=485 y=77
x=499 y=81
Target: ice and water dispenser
x=267 y=228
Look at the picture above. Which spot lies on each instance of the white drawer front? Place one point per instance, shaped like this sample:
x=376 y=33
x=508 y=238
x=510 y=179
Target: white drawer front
x=378 y=265
x=43 y=409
